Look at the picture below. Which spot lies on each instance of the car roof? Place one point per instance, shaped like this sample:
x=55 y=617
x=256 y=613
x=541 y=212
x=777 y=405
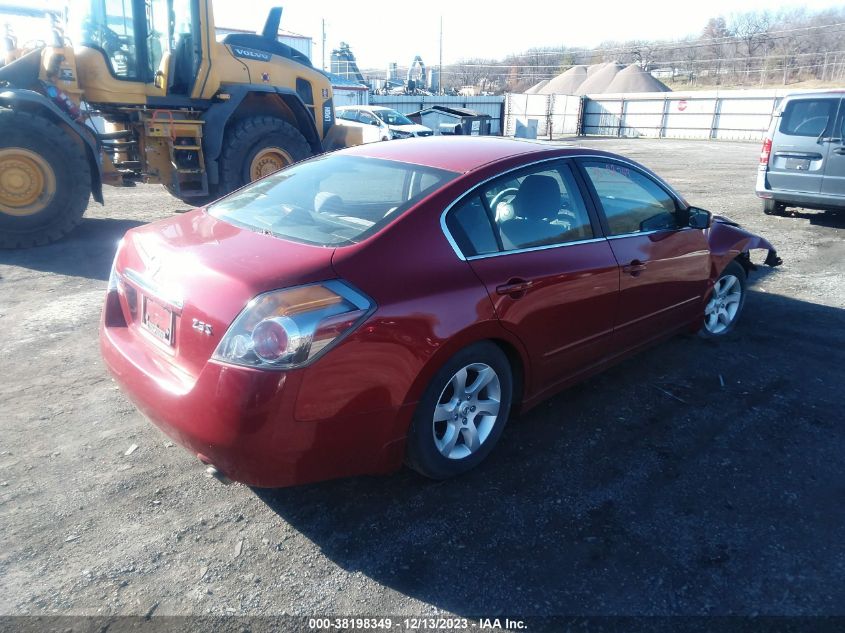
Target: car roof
x=835 y=93
x=460 y=153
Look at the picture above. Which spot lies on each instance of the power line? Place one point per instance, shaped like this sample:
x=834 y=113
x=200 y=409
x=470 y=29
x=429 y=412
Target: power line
x=711 y=60
x=728 y=39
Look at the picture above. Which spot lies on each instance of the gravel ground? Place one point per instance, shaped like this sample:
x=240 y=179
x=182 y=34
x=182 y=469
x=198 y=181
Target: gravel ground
x=697 y=478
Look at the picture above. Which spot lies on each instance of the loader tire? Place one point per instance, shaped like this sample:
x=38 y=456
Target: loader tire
x=45 y=180
x=256 y=147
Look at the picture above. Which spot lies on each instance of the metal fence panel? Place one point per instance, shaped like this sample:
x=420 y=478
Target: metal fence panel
x=643 y=117
x=603 y=116
x=527 y=111
x=690 y=117
x=565 y=115
x=745 y=119
x=707 y=114
x=494 y=106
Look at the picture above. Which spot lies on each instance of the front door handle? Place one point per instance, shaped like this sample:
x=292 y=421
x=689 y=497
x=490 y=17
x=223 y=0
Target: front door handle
x=515 y=288
x=840 y=151
x=634 y=268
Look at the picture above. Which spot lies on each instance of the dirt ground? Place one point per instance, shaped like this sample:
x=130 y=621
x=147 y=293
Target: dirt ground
x=697 y=478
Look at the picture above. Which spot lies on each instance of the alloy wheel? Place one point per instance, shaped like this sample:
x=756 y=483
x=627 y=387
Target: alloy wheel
x=467 y=411
x=724 y=304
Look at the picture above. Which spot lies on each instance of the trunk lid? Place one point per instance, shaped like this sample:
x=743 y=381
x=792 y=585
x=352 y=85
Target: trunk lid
x=185 y=279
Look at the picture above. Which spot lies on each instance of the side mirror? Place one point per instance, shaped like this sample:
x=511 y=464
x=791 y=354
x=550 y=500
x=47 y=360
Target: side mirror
x=700 y=218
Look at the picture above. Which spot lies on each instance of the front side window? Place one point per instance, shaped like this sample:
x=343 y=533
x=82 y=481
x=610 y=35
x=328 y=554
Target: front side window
x=807 y=117
x=330 y=201
x=531 y=208
x=540 y=206
x=632 y=202
x=366 y=117
x=110 y=27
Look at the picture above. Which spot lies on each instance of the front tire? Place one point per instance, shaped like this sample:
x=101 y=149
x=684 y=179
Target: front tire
x=45 y=180
x=725 y=304
x=256 y=147
x=462 y=413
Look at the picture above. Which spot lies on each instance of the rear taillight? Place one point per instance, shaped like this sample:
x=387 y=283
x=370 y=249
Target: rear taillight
x=113 y=278
x=766 y=151
x=112 y=312
x=287 y=328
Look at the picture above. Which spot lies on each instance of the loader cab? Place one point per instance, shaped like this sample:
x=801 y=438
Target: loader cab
x=155 y=42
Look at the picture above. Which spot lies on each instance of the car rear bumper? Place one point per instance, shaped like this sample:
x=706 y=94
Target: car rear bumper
x=797 y=198
x=242 y=420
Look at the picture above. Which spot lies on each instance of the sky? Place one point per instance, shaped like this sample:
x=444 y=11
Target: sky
x=382 y=32
x=396 y=31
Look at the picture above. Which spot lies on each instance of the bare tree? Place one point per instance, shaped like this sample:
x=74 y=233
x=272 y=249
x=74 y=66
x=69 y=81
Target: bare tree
x=751 y=31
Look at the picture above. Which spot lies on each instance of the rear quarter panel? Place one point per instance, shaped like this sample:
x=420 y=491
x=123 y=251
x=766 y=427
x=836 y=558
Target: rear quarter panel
x=430 y=305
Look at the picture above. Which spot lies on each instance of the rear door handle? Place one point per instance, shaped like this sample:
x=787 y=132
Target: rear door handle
x=514 y=288
x=634 y=268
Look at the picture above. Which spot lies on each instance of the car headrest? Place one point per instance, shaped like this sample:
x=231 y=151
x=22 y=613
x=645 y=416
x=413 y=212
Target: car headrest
x=327 y=202
x=538 y=197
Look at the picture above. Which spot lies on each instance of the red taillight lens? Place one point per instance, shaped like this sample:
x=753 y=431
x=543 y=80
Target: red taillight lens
x=270 y=340
x=766 y=151
x=283 y=329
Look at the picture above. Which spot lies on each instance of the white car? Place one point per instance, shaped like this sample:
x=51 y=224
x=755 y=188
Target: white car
x=379 y=123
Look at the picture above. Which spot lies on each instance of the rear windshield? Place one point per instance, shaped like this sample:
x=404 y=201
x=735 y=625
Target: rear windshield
x=808 y=117
x=330 y=201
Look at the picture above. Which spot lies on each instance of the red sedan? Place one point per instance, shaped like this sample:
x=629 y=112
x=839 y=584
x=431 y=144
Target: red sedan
x=398 y=302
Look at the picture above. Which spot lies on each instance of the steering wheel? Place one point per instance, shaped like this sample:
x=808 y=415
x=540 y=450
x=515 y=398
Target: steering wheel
x=510 y=191
x=811 y=123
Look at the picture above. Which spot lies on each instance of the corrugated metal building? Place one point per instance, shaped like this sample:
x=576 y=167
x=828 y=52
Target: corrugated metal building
x=348 y=92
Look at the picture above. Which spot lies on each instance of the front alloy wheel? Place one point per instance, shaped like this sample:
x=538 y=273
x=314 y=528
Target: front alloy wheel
x=726 y=302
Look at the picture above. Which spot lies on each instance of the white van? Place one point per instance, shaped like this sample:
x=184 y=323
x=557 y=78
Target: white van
x=379 y=123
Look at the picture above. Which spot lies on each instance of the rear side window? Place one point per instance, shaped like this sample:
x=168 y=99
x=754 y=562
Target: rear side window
x=330 y=201
x=470 y=225
x=807 y=117
x=632 y=202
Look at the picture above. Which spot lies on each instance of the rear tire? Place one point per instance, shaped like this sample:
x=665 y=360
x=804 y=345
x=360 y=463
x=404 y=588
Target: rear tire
x=255 y=147
x=462 y=413
x=45 y=180
x=771 y=207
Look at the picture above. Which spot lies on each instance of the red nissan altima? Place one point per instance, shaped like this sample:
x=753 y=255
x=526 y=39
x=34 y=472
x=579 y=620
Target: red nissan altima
x=398 y=302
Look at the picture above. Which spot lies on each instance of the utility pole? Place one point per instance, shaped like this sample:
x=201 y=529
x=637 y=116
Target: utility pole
x=440 y=65
x=324 y=44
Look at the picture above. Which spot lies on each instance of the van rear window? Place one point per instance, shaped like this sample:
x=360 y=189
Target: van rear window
x=808 y=117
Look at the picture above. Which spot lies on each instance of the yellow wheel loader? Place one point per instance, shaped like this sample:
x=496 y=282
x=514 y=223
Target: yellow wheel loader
x=141 y=91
